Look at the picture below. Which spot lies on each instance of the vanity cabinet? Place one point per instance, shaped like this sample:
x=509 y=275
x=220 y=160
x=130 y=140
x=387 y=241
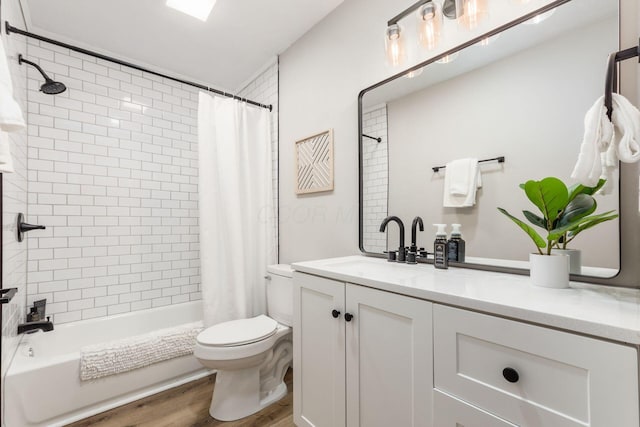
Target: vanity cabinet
x=362 y=357
x=529 y=375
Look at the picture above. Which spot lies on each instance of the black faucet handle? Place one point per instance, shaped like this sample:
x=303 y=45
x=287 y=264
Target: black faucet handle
x=391 y=256
x=411 y=257
x=402 y=254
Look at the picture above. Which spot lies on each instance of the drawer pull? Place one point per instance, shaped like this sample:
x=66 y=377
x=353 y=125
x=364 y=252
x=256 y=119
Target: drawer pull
x=348 y=317
x=335 y=314
x=510 y=375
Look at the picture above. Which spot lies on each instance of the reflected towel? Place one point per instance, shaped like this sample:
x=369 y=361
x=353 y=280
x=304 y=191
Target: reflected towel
x=100 y=360
x=11 y=118
x=461 y=181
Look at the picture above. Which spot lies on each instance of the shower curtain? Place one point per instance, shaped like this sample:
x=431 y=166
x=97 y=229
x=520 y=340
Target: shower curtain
x=237 y=230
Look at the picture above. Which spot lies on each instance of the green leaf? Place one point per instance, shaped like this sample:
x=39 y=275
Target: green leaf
x=535 y=219
x=581 y=189
x=593 y=221
x=581 y=206
x=539 y=241
x=550 y=195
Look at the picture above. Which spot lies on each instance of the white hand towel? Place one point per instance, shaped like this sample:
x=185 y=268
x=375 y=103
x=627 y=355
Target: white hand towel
x=626 y=122
x=6 y=163
x=461 y=174
x=457 y=173
x=598 y=135
x=11 y=118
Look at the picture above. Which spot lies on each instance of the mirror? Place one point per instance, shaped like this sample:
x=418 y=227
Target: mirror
x=523 y=96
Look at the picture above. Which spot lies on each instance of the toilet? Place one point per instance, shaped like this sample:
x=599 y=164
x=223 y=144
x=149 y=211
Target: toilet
x=251 y=355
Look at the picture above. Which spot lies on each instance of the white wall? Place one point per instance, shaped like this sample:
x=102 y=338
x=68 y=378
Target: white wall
x=113 y=174
x=14 y=254
x=320 y=78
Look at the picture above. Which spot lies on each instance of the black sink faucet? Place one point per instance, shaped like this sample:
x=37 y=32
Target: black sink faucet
x=383 y=226
x=44 y=325
x=417 y=221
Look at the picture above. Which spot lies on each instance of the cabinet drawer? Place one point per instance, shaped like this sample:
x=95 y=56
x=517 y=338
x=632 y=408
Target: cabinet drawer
x=451 y=412
x=563 y=379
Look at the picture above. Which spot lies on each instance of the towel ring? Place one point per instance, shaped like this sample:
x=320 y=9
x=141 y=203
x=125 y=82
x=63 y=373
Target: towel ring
x=611 y=84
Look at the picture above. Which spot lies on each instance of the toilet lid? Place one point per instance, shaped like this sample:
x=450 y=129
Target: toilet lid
x=238 y=332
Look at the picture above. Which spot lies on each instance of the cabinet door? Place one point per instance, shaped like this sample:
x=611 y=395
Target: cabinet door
x=451 y=412
x=389 y=359
x=318 y=352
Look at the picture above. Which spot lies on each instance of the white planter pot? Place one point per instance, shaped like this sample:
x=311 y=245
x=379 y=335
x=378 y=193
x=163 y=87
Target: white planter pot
x=575 y=259
x=549 y=271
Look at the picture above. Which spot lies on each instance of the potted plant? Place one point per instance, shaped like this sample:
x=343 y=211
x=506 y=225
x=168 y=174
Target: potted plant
x=564 y=214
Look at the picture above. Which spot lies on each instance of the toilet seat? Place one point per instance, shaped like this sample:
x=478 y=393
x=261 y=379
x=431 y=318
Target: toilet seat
x=238 y=332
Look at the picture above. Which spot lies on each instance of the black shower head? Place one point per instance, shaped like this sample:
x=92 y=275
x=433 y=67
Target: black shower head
x=50 y=87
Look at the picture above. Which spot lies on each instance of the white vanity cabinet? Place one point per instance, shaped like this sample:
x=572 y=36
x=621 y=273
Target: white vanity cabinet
x=362 y=357
x=532 y=376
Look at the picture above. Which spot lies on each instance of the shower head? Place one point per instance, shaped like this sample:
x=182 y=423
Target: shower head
x=50 y=87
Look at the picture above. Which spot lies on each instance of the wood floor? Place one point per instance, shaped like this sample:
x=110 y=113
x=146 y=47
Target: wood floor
x=188 y=405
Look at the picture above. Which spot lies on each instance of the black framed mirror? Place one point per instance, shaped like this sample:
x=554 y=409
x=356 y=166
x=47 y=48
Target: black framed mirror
x=520 y=93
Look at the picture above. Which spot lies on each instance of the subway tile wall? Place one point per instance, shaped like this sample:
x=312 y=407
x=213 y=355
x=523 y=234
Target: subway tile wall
x=113 y=173
x=375 y=178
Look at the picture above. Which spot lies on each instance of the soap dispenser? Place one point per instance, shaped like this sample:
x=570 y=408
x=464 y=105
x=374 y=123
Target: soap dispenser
x=456 y=244
x=441 y=247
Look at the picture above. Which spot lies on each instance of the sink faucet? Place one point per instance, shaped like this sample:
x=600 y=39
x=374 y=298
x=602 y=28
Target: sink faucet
x=383 y=226
x=417 y=221
x=44 y=325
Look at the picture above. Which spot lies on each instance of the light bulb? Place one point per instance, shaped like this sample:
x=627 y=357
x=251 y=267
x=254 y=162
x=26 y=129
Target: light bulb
x=429 y=25
x=448 y=58
x=471 y=13
x=394 y=45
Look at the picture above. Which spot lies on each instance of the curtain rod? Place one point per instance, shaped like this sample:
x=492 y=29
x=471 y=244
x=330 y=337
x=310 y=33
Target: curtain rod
x=11 y=29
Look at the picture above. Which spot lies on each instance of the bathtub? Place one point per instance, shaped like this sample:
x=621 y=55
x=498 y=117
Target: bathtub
x=42 y=384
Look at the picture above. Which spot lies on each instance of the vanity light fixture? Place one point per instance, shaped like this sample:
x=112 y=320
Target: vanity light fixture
x=199 y=9
x=468 y=13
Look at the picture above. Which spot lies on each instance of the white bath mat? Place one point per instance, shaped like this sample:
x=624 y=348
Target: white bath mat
x=115 y=357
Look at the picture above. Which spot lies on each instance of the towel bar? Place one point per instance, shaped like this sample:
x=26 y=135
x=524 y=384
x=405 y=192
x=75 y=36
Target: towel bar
x=495 y=159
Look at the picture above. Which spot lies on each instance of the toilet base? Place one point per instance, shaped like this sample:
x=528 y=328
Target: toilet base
x=235 y=395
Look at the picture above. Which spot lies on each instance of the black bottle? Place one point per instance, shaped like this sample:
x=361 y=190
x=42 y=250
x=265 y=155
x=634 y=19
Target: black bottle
x=441 y=248
x=456 y=244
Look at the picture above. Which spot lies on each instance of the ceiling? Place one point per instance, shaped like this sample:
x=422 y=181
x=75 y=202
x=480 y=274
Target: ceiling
x=239 y=38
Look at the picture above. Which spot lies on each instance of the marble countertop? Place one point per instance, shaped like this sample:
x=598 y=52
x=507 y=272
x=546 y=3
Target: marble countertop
x=601 y=311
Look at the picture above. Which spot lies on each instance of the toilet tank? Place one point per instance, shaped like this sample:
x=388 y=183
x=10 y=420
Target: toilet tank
x=280 y=293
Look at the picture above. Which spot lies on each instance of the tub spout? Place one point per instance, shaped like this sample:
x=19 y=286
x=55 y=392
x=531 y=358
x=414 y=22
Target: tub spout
x=44 y=325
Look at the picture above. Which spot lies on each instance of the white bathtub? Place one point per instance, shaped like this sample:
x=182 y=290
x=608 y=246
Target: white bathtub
x=45 y=389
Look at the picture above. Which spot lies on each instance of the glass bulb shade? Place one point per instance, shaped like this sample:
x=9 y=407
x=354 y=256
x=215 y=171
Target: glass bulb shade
x=394 y=46
x=472 y=13
x=429 y=25
x=448 y=58
x=541 y=17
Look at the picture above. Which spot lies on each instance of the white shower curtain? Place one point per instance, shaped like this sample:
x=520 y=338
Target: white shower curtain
x=237 y=232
